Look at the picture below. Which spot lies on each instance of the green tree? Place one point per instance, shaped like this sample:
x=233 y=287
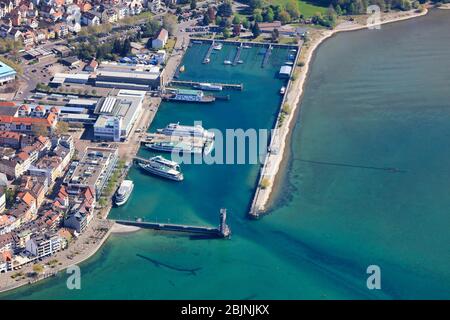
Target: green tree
x=245 y=23
x=62 y=128
x=275 y=35
x=236 y=19
x=226 y=33
x=292 y=9
x=126 y=48
x=10 y=195
x=257 y=15
x=193 y=4
x=40 y=130
x=38 y=268
x=269 y=15
x=255 y=4
x=284 y=17
x=255 y=30
x=205 y=20
x=170 y=23
x=151 y=28
x=225 y=9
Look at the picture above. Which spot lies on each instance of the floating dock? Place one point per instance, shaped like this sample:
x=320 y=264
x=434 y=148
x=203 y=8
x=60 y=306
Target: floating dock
x=207 y=59
x=266 y=56
x=238 y=55
x=222 y=231
x=234 y=86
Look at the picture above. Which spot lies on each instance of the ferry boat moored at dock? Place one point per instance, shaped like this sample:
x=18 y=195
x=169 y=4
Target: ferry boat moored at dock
x=186 y=95
x=124 y=192
x=173 y=147
x=161 y=170
x=176 y=129
x=166 y=162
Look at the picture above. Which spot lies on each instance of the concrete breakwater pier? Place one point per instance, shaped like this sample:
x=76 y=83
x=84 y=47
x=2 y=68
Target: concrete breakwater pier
x=274 y=157
x=222 y=231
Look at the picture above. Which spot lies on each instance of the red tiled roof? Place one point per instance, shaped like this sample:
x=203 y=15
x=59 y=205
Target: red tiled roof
x=27 y=198
x=23 y=156
x=10 y=135
x=7 y=104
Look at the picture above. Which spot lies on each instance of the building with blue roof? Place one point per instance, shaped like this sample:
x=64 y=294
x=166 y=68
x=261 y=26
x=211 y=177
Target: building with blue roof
x=7 y=74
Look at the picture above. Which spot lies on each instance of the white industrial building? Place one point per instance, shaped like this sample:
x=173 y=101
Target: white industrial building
x=60 y=78
x=117 y=115
x=128 y=76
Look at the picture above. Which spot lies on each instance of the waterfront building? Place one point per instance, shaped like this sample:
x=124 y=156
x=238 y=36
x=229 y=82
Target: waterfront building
x=44 y=245
x=5 y=261
x=7 y=242
x=7 y=74
x=117 y=116
x=92 y=171
x=128 y=76
x=160 y=41
x=7 y=223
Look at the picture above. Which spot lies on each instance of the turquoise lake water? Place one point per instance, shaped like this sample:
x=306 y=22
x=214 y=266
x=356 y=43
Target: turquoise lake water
x=377 y=99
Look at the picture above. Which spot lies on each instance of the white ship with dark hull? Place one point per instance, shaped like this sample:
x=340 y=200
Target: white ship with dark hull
x=124 y=192
x=158 y=169
x=176 y=129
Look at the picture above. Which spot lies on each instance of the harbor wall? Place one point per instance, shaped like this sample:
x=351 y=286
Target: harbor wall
x=268 y=169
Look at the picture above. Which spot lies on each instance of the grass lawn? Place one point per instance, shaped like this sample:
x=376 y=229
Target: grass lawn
x=307 y=7
x=170 y=44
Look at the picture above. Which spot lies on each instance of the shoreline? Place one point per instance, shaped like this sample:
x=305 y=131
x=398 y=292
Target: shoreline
x=87 y=255
x=264 y=197
x=293 y=98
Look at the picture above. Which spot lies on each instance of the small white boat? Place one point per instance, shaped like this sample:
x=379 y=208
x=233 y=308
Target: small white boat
x=124 y=192
x=217 y=46
x=207 y=60
x=247 y=47
x=240 y=62
x=282 y=90
x=182 y=68
x=227 y=62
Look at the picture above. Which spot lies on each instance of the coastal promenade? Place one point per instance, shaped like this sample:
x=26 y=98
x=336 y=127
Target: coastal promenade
x=275 y=157
x=82 y=249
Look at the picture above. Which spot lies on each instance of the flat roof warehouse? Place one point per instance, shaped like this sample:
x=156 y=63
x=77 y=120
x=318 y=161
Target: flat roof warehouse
x=6 y=71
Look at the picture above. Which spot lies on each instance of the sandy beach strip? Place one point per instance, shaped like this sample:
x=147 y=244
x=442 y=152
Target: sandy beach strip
x=118 y=228
x=274 y=161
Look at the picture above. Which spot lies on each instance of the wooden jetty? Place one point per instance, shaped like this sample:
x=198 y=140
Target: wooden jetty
x=222 y=231
x=234 y=86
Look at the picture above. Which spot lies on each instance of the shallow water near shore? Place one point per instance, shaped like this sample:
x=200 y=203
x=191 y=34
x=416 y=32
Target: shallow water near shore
x=374 y=99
